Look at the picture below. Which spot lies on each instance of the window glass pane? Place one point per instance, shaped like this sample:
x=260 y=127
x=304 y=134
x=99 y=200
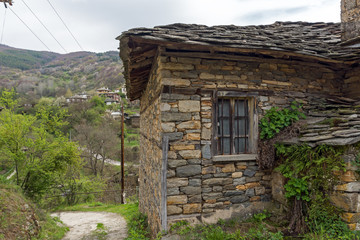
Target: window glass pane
x=226 y=127
x=240 y=108
x=225 y=145
x=224 y=107
x=241 y=127
x=241 y=145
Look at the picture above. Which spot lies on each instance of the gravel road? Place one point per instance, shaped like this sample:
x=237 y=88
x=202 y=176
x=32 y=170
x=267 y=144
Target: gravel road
x=81 y=224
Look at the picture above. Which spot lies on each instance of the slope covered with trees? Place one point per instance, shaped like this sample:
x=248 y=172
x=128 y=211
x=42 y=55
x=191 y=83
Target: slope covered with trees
x=48 y=74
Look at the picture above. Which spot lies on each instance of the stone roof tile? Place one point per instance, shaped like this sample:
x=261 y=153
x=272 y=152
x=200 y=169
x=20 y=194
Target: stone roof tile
x=319 y=39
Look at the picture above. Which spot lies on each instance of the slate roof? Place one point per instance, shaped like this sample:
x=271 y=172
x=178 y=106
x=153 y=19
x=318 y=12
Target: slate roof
x=333 y=121
x=319 y=42
x=318 y=39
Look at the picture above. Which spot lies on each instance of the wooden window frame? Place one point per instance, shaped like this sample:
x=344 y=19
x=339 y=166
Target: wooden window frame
x=253 y=127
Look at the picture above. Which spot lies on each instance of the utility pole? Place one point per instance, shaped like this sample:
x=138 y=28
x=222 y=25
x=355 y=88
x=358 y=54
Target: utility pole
x=122 y=153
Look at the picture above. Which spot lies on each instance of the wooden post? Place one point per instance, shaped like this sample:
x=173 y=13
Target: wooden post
x=165 y=146
x=122 y=153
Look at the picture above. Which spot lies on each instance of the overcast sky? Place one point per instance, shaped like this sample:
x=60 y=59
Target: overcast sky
x=95 y=24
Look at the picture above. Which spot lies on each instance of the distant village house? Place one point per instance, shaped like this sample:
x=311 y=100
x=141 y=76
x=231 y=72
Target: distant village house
x=83 y=97
x=110 y=97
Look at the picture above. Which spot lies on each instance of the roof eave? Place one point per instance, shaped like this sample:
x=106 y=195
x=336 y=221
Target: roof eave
x=129 y=43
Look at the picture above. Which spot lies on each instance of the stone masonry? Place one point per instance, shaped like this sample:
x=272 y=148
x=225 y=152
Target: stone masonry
x=178 y=72
x=347 y=194
x=150 y=154
x=350 y=19
x=198 y=187
x=352 y=83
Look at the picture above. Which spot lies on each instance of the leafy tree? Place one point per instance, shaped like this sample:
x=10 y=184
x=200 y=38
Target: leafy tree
x=38 y=150
x=7 y=99
x=15 y=133
x=68 y=93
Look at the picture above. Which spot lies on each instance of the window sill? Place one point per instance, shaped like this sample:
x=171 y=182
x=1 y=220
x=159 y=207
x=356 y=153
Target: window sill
x=235 y=158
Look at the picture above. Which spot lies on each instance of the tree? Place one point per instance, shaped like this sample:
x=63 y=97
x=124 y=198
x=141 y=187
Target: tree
x=68 y=93
x=38 y=150
x=99 y=143
x=15 y=133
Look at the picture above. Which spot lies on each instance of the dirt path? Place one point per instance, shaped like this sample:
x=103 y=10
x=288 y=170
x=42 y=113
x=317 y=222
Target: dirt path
x=81 y=224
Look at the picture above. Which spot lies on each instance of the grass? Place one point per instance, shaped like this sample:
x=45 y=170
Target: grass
x=257 y=227
x=261 y=226
x=52 y=228
x=126 y=210
x=99 y=233
x=20 y=218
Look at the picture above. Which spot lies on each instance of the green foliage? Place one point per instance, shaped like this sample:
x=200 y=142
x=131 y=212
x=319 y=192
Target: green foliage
x=73 y=189
x=98 y=102
x=21 y=219
x=313 y=165
x=328 y=224
x=311 y=178
x=24 y=59
x=36 y=148
x=356 y=163
x=7 y=99
x=220 y=231
x=52 y=119
x=52 y=228
x=212 y=232
x=277 y=119
x=298 y=188
x=262 y=233
x=259 y=217
x=99 y=233
x=138 y=227
x=4 y=180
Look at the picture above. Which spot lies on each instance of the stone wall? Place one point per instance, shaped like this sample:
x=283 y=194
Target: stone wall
x=350 y=19
x=251 y=74
x=347 y=194
x=151 y=153
x=352 y=83
x=198 y=186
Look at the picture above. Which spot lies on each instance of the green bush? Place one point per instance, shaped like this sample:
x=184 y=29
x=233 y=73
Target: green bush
x=138 y=228
x=328 y=225
x=275 y=120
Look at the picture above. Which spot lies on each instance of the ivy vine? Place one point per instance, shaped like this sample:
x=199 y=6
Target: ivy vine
x=277 y=119
x=310 y=173
x=276 y=125
x=313 y=167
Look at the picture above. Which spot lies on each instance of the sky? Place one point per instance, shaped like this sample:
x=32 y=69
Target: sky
x=96 y=24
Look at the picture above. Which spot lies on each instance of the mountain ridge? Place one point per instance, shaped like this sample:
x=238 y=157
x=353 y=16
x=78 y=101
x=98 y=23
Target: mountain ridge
x=41 y=73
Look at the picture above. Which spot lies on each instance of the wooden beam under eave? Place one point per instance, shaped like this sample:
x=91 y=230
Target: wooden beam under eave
x=142 y=64
x=144 y=53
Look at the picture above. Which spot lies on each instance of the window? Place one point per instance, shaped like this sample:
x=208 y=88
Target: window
x=236 y=127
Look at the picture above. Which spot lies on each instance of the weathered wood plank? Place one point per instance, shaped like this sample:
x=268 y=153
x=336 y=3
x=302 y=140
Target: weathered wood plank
x=165 y=147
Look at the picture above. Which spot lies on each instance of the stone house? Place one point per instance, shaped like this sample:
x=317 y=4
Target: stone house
x=83 y=97
x=202 y=91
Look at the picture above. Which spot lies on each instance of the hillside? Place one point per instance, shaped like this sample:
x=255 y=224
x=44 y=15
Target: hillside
x=39 y=73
